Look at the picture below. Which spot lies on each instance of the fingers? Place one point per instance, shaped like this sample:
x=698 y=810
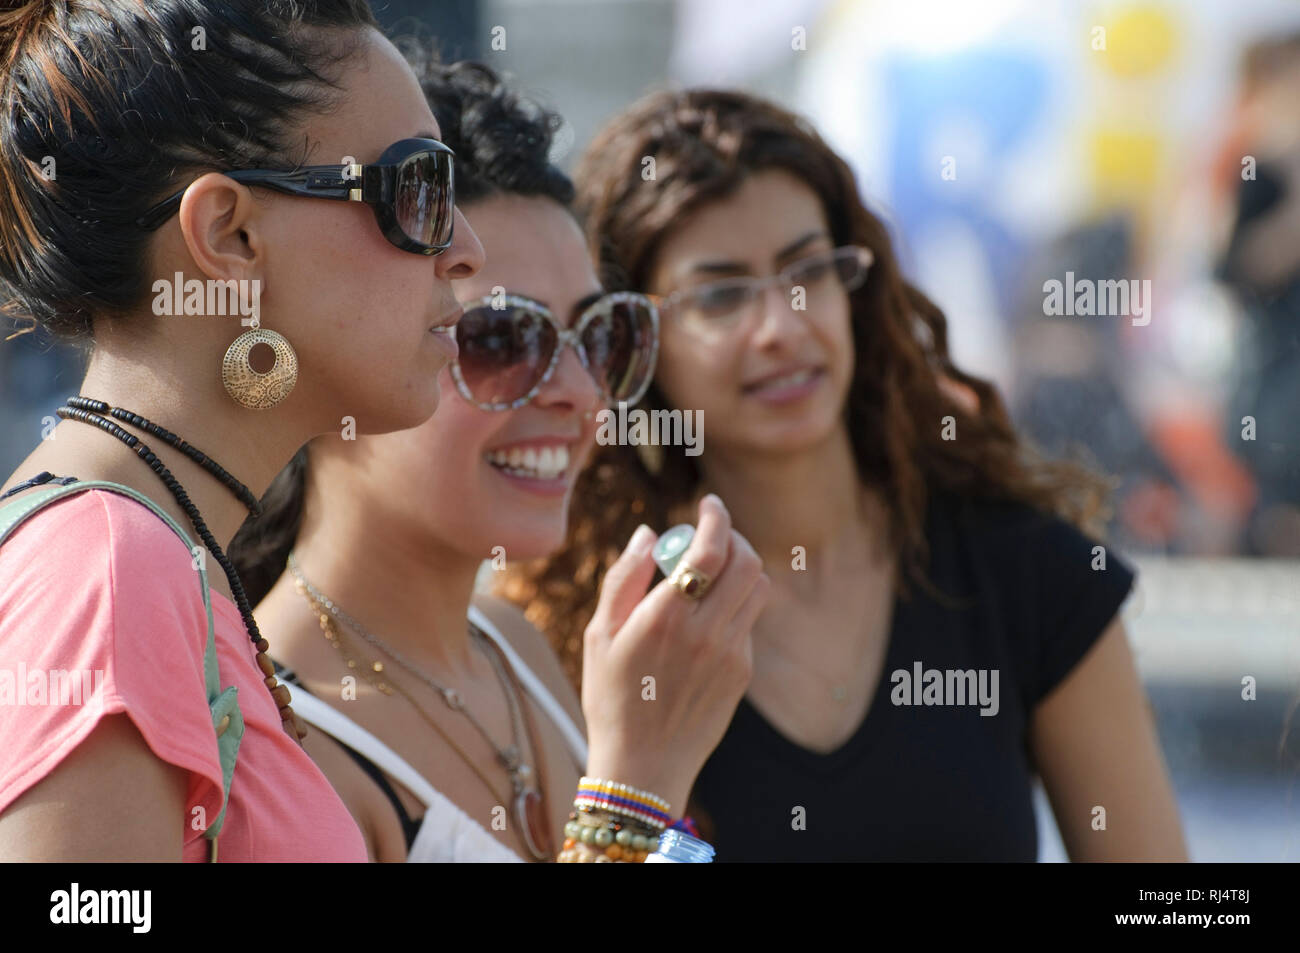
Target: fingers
x=743 y=621
x=729 y=590
x=710 y=547
x=736 y=645
x=625 y=582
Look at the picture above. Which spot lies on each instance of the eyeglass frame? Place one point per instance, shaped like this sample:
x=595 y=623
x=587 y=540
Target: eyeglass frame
x=566 y=337
x=671 y=301
x=339 y=182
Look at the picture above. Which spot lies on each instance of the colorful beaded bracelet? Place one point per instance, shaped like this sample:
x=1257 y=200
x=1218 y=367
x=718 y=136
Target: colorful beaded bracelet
x=617 y=798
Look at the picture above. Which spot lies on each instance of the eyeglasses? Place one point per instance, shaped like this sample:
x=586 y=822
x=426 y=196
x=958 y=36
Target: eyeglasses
x=720 y=303
x=510 y=346
x=411 y=188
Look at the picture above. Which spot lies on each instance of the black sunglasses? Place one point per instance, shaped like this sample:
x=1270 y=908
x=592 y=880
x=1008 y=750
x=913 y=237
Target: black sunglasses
x=411 y=188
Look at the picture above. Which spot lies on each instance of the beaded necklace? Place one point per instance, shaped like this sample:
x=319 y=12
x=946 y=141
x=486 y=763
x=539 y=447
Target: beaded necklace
x=89 y=411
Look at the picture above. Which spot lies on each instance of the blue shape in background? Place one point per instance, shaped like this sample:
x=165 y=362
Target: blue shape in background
x=1001 y=93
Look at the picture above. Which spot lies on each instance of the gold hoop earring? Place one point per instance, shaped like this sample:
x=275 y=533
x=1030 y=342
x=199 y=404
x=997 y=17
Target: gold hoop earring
x=250 y=387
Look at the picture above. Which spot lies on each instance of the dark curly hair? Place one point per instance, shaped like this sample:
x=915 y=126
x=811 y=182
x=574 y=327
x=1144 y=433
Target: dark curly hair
x=705 y=143
x=502 y=140
x=503 y=143
x=107 y=104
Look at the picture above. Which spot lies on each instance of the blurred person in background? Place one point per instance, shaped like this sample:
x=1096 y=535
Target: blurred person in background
x=912 y=538
x=1260 y=166
x=1070 y=396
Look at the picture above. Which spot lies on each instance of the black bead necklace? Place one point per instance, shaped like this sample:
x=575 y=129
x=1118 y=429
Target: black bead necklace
x=251 y=503
x=77 y=408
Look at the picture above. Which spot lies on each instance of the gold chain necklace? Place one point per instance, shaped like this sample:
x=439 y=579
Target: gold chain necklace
x=527 y=803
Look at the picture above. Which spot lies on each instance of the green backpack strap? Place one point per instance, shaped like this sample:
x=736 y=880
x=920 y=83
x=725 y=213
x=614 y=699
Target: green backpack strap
x=227 y=719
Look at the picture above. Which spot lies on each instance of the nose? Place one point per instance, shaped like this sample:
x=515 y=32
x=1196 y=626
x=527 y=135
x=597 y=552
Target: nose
x=571 y=386
x=464 y=257
x=780 y=319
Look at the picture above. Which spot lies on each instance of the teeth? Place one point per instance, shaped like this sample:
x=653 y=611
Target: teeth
x=789 y=380
x=544 y=464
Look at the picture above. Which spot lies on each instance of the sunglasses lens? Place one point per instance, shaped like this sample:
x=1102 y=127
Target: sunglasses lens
x=503 y=352
x=620 y=346
x=424 y=201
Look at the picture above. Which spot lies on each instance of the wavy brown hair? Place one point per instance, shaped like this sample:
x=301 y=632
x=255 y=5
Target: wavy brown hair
x=704 y=144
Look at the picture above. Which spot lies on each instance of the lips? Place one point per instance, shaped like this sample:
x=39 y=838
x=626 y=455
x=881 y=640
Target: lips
x=786 y=377
x=447 y=322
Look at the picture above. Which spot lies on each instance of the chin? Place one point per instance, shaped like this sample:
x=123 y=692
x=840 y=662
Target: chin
x=527 y=543
x=794 y=436
x=421 y=401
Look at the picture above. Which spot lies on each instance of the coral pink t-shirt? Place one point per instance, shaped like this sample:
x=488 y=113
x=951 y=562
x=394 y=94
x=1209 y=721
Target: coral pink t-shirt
x=96 y=589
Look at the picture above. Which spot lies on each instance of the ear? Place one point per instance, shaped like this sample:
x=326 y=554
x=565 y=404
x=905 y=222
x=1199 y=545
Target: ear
x=219 y=222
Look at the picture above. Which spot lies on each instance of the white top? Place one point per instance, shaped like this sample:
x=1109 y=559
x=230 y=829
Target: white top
x=533 y=685
x=447 y=834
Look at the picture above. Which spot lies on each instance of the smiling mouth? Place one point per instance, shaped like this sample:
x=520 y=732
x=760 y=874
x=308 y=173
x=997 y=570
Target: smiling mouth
x=548 y=462
x=794 y=379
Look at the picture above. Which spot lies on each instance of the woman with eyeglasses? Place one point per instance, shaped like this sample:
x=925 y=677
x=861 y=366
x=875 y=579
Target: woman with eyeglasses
x=182 y=152
x=939 y=633
x=447 y=725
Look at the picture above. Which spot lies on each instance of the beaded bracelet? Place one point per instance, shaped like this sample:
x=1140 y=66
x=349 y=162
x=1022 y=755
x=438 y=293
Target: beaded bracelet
x=687 y=826
x=617 y=798
x=607 y=838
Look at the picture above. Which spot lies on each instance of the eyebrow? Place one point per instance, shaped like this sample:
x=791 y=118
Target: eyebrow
x=732 y=267
x=425 y=135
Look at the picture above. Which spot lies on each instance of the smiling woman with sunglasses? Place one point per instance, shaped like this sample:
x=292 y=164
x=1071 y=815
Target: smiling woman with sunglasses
x=448 y=728
x=151 y=722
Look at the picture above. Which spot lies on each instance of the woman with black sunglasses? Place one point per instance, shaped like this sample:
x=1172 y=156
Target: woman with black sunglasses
x=449 y=729
x=181 y=141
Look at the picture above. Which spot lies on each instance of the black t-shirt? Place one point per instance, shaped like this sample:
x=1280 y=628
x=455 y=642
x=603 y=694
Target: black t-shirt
x=931 y=782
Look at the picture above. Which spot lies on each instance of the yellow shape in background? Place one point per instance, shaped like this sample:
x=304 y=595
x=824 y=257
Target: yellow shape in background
x=1139 y=39
x=1125 y=164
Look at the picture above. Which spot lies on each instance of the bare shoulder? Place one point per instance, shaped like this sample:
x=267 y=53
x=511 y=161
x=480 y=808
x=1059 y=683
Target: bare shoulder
x=534 y=649
x=365 y=801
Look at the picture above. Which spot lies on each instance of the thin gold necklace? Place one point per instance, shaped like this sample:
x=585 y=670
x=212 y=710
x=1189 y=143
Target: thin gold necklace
x=528 y=802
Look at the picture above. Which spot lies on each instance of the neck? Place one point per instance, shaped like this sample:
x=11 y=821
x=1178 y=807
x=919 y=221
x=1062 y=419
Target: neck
x=251 y=445
x=408 y=589
x=813 y=499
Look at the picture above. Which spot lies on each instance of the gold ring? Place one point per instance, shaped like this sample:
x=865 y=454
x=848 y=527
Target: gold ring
x=689 y=581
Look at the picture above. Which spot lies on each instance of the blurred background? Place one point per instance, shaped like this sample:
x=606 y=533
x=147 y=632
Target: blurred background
x=1010 y=142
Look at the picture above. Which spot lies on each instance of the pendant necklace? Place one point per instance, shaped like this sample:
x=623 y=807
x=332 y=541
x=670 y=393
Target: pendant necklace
x=528 y=806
